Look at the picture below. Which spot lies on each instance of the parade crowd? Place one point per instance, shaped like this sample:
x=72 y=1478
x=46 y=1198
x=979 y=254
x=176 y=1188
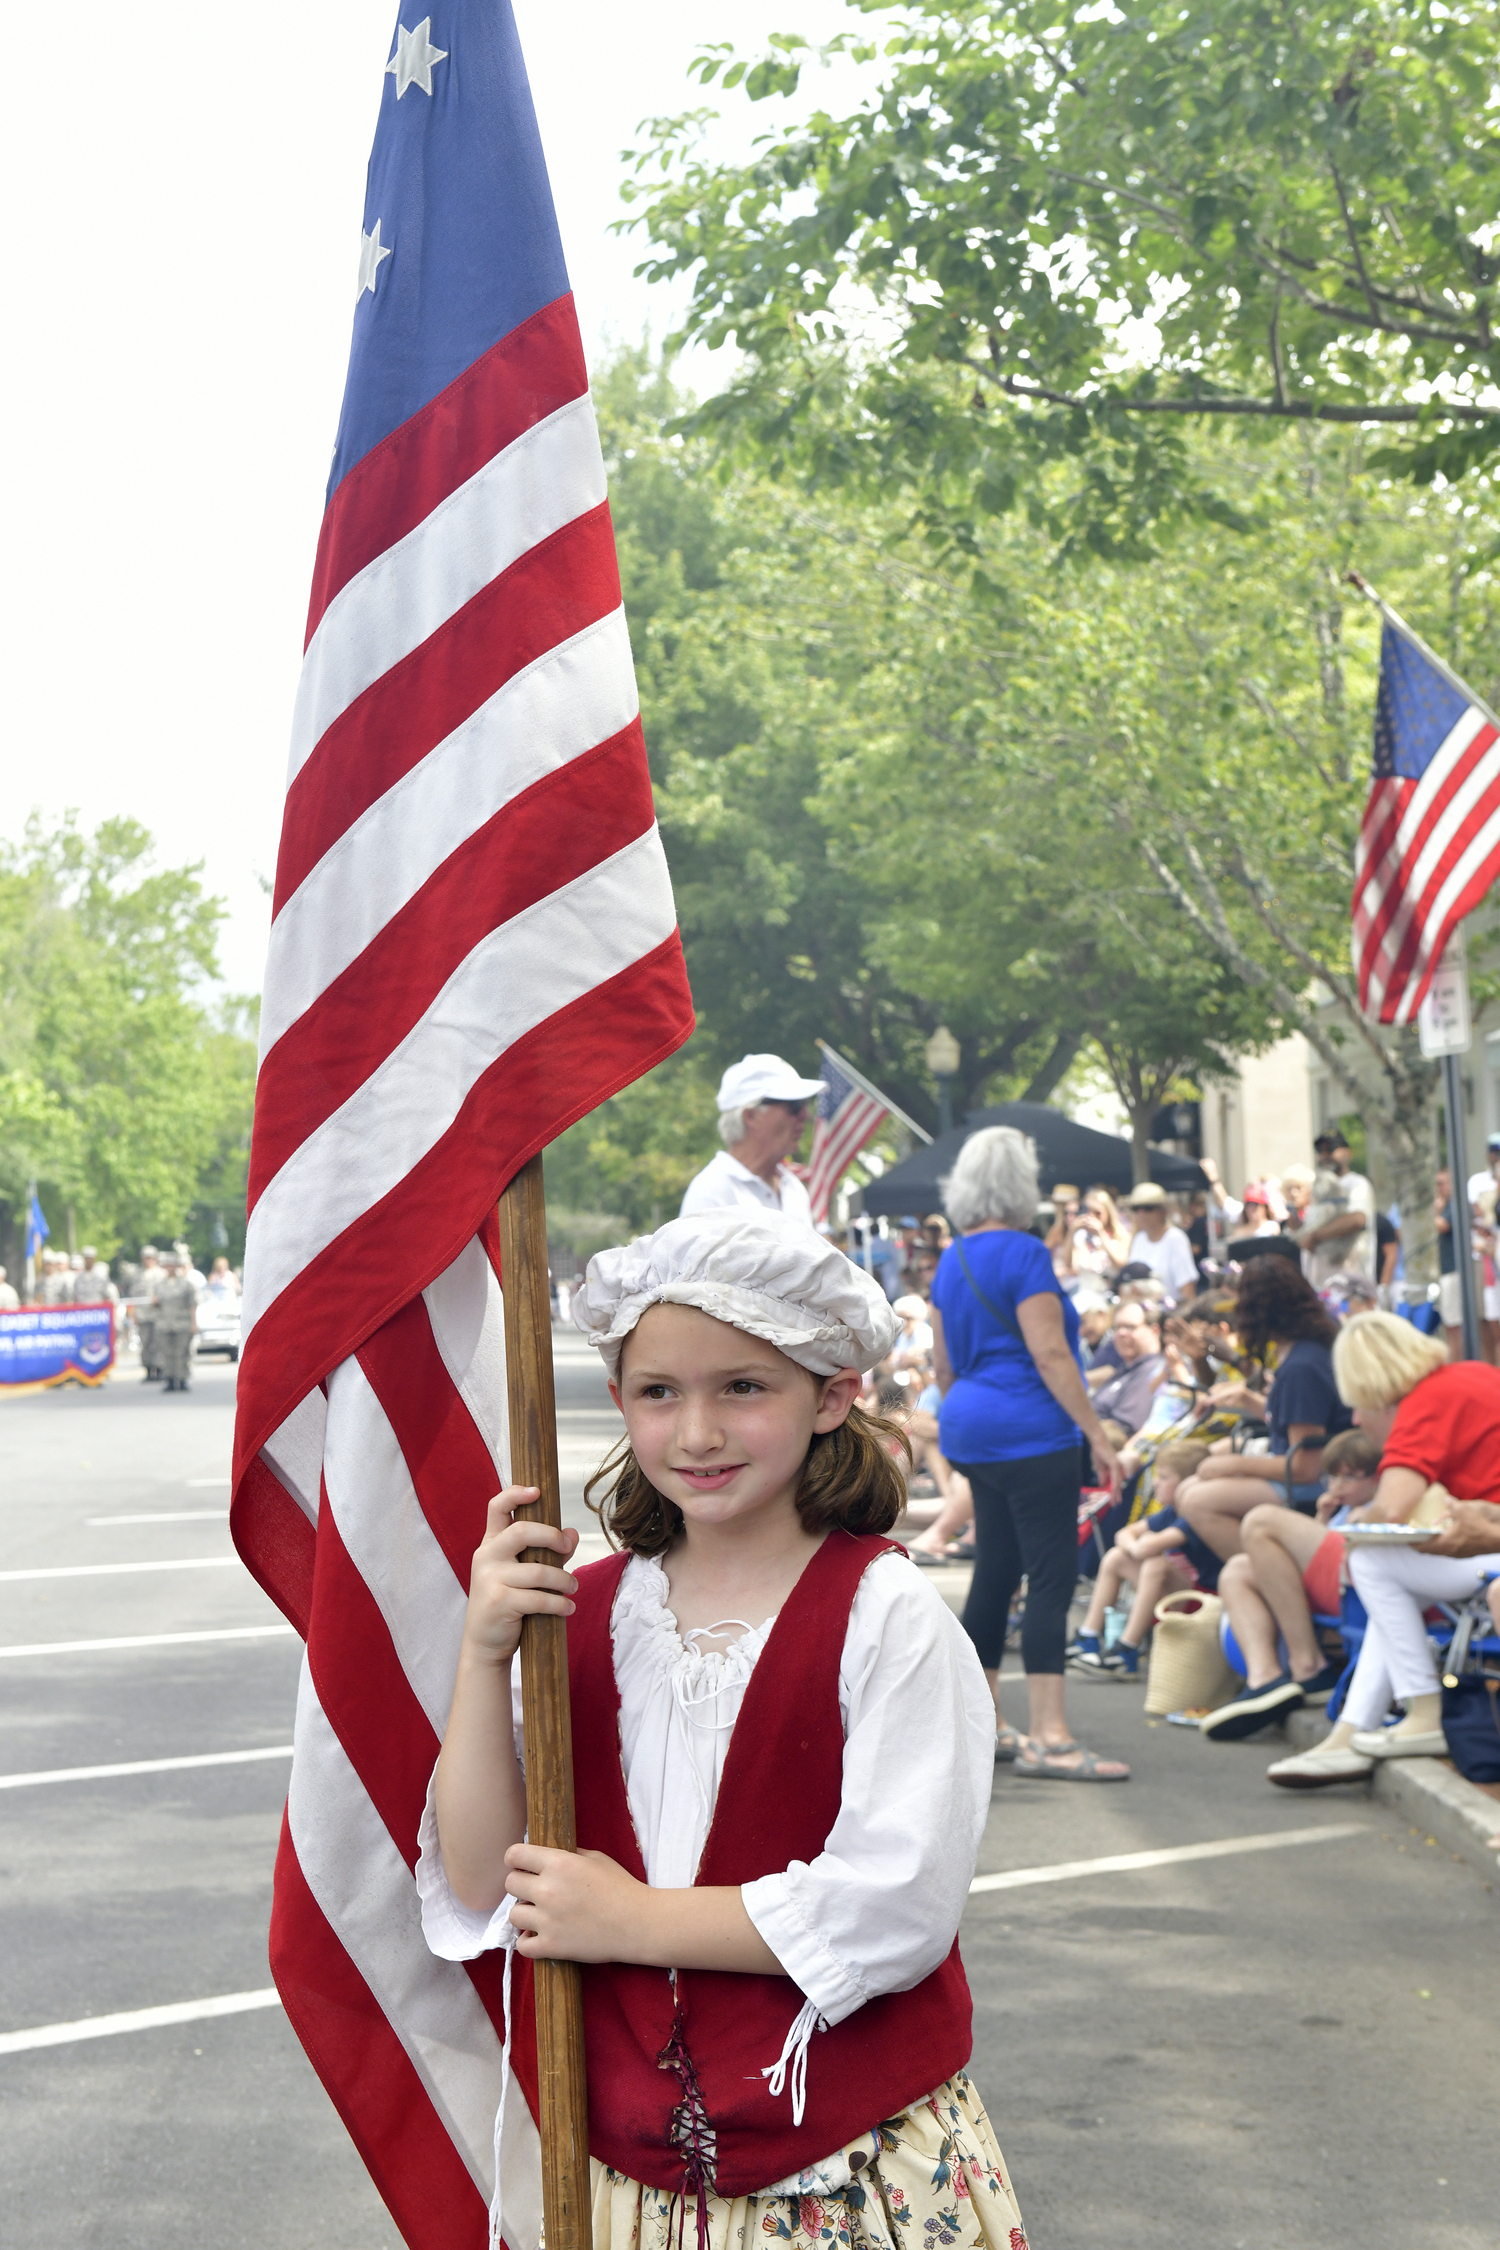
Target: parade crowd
x=160 y=1299
x=1227 y=1399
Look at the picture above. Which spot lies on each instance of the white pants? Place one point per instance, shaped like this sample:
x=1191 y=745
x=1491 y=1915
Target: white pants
x=1396 y=1584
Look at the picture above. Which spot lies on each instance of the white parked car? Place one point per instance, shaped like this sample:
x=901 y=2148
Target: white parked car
x=218 y=1327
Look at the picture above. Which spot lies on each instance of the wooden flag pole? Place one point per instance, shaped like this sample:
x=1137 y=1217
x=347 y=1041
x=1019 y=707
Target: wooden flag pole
x=564 y=2122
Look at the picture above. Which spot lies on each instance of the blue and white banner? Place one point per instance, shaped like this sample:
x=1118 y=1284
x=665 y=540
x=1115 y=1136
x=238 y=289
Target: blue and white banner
x=45 y=1344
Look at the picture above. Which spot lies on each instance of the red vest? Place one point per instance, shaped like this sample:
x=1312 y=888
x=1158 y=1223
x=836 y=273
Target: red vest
x=779 y=1797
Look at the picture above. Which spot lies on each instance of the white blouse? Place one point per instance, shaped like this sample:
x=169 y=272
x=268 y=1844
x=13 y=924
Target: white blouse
x=878 y=1908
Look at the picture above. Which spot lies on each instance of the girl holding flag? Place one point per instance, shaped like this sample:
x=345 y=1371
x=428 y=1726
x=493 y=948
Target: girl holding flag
x=783 y=1752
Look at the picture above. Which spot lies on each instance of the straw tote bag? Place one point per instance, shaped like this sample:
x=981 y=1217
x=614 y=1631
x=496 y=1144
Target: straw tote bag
x=1189 y=1670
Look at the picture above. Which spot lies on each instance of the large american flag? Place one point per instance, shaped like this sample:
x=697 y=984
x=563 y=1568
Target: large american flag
x=849 y=1112
x=1429 y=845
x=473 y=944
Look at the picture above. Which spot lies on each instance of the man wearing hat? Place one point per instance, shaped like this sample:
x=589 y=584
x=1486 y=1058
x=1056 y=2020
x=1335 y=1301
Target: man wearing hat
x=1165 y=1249
x=1339 y=1236
x=176 y=1319
x=763 y=1108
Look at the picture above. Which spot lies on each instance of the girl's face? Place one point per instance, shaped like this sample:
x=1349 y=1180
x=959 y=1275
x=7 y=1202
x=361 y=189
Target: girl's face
x=721 y=1422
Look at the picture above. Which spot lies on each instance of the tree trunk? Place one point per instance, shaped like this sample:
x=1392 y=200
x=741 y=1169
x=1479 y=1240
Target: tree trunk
x=1140 y=1148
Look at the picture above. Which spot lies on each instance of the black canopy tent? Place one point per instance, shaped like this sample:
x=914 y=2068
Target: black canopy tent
x=1065 y=1151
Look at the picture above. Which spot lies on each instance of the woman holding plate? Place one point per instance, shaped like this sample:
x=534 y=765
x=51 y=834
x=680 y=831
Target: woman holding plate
x=1437 y=1421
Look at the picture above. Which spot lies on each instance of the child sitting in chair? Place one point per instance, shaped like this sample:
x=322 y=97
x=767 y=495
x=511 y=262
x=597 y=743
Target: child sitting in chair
x=1158 y=1555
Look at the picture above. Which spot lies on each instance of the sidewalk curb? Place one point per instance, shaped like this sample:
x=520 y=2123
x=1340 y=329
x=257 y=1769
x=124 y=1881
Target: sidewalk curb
x=1428 y=1792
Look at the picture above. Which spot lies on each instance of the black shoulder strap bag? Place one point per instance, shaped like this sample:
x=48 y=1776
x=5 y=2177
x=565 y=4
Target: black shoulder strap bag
x=1010 y=1326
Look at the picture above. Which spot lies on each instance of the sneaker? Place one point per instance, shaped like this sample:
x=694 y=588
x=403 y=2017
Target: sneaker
x=1390 y=1742
x=1319 y=1769
x=1082 y=1644
x=1118 y=1663
x=1252 y=1709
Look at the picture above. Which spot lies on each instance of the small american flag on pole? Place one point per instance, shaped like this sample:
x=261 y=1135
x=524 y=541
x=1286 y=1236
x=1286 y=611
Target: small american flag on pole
x=1429 y=844
x=849 y=1113
x=473 y=944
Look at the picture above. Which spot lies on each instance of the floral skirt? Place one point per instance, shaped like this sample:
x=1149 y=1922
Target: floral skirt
x=930 y=2178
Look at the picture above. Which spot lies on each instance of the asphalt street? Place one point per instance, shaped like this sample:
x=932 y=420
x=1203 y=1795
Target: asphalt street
x=1287 y=2044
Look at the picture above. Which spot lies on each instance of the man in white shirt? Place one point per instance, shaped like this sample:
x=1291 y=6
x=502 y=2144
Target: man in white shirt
x=1165 y=1249
x=763 y=1110
x=1339 y=1236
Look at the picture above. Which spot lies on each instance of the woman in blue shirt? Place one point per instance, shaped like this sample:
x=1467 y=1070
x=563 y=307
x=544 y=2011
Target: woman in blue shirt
x=1005 y=1347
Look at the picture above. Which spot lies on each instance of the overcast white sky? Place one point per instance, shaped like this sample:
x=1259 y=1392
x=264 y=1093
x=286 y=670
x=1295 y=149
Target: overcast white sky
x=181 y=253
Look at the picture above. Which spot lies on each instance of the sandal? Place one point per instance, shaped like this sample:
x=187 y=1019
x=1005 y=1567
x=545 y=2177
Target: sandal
x=1008 y=1741
x=1039 y=1767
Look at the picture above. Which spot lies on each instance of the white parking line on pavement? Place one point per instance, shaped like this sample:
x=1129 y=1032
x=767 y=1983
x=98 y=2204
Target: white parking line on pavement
x=1126 y=1863
x=171 y=1515
x=143 y=1765
x=117 y=1569
x=137 y=2019
x=141 y=1640
x=1118 y=1863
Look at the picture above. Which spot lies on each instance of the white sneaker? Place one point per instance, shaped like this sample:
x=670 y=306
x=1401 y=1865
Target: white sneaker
x=1390 y=1742
x=1319 y=1769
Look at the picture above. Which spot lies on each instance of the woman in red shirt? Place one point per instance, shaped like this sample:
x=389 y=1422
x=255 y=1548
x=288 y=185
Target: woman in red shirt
x=1437 y=1422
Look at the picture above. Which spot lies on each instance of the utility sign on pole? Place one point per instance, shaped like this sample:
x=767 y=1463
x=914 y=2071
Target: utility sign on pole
x=1445 y=1029
x=1443 y=1022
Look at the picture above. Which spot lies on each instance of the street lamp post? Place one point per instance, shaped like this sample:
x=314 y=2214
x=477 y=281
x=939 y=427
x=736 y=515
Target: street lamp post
x=943 y=1058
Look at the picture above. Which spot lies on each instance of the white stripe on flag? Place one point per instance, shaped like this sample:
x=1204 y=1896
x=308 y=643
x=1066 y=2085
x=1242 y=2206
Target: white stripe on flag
x=1478 y=785
x=576 y=696
x=467 y=1314
x=546 y=478
x=1438 y=909
x=363 y=1886
x=390 y=1542
x=557 y=951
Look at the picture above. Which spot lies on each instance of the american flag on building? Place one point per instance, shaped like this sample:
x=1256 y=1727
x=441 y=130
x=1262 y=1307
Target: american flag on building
x=849 y=1113
x=473 y=944
x=1429 y=845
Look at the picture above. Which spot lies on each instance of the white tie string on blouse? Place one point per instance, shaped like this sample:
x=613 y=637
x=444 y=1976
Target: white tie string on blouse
x=877 y=1909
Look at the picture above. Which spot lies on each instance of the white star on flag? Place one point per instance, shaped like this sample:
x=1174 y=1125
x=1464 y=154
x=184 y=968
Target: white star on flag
x=371 y=251
x=411 y=64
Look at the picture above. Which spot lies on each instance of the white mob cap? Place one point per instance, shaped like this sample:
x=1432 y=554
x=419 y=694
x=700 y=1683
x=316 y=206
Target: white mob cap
x=764 y=1078
x=773 y=1277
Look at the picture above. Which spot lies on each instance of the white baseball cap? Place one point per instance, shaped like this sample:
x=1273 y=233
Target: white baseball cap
x=764 y=1078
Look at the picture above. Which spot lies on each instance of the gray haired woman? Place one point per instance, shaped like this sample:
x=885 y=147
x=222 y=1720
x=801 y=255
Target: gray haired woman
x=1005 y=1347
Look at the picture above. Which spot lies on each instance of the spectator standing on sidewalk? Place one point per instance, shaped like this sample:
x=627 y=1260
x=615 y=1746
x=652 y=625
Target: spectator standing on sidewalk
x=1339 y=1236
x=763 y=1110
x=1005 y=1347
x=1158 y=1244
x=9 y=1301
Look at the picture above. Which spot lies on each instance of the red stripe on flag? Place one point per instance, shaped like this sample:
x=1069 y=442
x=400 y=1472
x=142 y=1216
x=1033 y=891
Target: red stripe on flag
x=275 y=1541
x=570 y=580
x=367 y=2072
x=553 y=832
x=564 y=1067
x=528 y=375
x=449 y=1462
x=1399 y=876
x=366 y=1696
x=1465 y=833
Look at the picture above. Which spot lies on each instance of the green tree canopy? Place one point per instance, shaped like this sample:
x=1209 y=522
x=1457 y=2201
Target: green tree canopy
x=1108 y=222
x=123 y=1091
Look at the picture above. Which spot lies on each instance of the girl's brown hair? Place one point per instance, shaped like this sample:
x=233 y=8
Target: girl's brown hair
x=850 y=1482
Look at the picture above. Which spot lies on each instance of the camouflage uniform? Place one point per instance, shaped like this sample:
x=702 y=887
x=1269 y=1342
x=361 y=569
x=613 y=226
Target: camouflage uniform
x=148 y=1280
x=176 y=1312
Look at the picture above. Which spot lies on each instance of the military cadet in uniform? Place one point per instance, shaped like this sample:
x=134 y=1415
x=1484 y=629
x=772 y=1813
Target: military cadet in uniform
x=176 y=1319
x=148 y=1279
